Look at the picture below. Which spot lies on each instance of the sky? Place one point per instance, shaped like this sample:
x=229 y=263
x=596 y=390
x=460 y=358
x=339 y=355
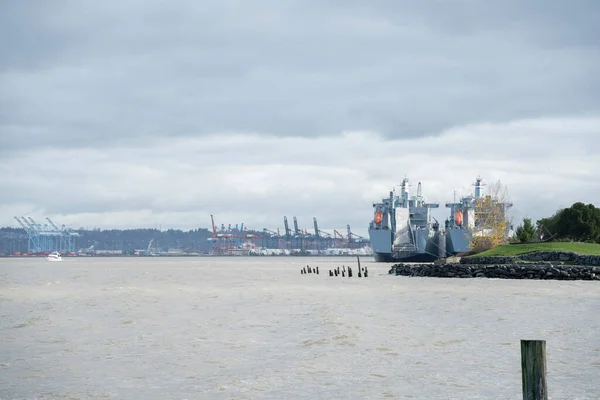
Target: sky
x=149 y=113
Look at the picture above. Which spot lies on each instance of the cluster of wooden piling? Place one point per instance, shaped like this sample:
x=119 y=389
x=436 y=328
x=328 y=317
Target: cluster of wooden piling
x=309 y=270
x=343 y=272
x=348 y=272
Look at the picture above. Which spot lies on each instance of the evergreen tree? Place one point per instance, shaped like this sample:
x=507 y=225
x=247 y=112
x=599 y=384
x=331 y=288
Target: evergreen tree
x=526 y=232
x=580 y=223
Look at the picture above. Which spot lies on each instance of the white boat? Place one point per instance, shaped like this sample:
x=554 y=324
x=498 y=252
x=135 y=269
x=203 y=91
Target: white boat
x=54 y=256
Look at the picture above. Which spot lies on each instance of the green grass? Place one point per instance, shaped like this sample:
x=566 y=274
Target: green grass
x=516 y=249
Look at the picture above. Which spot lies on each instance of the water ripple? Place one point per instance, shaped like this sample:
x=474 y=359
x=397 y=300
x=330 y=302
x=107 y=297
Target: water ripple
x=207 y=328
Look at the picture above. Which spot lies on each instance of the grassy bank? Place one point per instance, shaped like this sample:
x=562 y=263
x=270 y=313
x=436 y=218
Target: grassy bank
x=515 y=249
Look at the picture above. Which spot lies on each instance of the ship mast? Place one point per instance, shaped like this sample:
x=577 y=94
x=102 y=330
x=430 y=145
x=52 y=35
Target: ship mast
x=405 y=193
x=478 y=186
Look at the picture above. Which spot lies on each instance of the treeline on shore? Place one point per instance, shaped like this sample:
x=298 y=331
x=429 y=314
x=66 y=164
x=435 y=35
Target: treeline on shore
x=578 y=223
x=127 y=240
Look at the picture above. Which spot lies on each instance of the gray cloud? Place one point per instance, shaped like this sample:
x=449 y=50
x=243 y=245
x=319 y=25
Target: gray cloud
x=86 y=73
x=545 y=163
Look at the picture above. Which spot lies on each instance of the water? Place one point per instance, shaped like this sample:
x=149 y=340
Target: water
x=255 y=328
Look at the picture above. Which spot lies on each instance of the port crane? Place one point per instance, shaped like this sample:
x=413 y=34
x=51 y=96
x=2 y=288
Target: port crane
x=319 y=233
x=337 y=235
x=288 y=232
x=351 y=234
x=269 y=234
x=296 y=230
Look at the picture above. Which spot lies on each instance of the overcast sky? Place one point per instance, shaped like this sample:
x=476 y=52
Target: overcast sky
x=141 y=113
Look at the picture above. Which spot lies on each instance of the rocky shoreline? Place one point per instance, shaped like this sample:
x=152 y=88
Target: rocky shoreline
x=537 y=265
x=559 y=257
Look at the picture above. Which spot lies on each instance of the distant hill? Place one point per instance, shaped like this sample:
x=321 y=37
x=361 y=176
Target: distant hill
x=196 y=240
x=15 y=240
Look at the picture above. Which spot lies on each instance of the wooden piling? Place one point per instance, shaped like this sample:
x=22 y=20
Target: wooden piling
x=366 y=272
x=330 y=273
x=533 y=369
x=317 y=270
x=349 y=272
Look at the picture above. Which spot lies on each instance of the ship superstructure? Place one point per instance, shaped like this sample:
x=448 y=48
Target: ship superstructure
x=473 y=215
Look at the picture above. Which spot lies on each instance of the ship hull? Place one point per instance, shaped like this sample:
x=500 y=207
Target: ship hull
x=428 y=249
x=417 y=257
x=458 y=241
x=381 y=241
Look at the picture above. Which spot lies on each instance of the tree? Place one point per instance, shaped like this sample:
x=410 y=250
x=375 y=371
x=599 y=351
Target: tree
x=492 y=222
x=580 y=222
x=526 y=232
x=548 y=227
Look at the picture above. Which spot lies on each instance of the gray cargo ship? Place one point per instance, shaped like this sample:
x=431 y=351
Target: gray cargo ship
x=402 y=227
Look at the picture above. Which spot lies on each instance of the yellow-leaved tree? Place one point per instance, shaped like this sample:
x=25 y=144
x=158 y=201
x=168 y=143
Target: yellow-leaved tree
x=492 y=220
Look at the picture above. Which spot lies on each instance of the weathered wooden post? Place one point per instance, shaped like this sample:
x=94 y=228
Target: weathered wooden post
x=533 y=369
x=317 y=270
x=330 y=273
x=349 y=272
